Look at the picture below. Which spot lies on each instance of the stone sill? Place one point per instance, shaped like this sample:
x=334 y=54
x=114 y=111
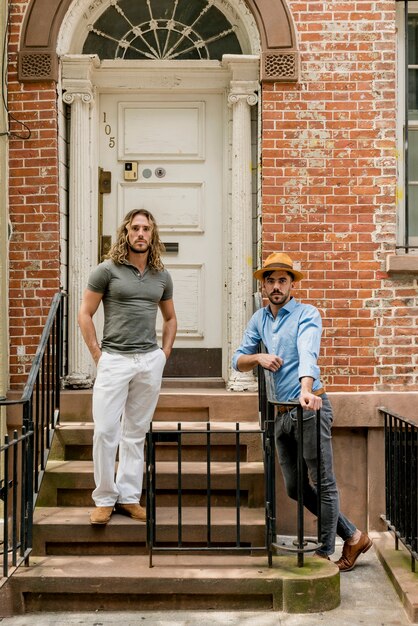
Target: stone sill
x=402 y=263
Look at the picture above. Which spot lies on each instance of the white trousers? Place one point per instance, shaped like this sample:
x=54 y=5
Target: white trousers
x=125 y=395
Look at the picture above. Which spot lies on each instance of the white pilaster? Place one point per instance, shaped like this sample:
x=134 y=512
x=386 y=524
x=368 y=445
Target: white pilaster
x=79 y=94
x=242 y=96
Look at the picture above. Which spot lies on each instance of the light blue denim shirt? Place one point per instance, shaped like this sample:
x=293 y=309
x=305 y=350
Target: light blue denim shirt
x=295 y=336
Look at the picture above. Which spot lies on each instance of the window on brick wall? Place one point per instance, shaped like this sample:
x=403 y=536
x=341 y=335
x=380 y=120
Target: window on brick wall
x=407 y=126
x=162 y=29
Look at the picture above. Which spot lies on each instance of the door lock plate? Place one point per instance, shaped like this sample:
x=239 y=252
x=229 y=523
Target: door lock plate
x=105 y=181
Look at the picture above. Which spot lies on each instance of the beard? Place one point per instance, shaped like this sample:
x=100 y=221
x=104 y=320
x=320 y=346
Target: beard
x=278 y=298
x=136 y=251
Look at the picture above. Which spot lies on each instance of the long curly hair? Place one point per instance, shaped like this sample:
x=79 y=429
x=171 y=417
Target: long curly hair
x=119 y=250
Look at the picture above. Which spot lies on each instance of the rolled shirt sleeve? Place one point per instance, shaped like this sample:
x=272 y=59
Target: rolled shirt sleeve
x=250 y=341
x=309 y=342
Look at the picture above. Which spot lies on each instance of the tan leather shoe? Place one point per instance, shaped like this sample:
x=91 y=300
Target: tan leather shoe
x=351 y=553
x=132 y=510
x=101 y=515
x=321 y=555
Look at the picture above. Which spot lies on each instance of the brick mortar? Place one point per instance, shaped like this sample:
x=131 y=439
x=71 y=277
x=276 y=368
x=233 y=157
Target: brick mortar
x=329 y=151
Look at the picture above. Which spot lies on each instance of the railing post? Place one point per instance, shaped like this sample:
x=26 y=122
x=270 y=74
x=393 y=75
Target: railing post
x=58 y=358
x=6 y=507
x=300 y=529
x=150 y=493
x=15 y=482
x=270 y=480
x=318 y=473
x=30 y=472
x=238 y=484
x=179 y=488
x=208 y=487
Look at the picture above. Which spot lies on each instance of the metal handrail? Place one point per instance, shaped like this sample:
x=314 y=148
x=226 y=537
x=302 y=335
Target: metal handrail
x=179 y=437
x=302 y=545
x=40 y=410
x=401 y=481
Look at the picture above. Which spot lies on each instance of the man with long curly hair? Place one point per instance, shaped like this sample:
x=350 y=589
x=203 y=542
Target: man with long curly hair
x=132 y=284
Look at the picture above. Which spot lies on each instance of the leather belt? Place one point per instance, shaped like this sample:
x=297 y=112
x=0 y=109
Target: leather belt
x=285 y=409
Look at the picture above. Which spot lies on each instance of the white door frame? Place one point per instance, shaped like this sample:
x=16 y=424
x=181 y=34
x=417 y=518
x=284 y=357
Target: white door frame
x=83 y=76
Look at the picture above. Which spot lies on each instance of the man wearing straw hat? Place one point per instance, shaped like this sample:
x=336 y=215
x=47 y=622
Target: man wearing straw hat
x=291 y=332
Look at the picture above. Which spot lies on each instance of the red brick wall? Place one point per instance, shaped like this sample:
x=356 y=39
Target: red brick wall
x=329 y=183
x=34 y=211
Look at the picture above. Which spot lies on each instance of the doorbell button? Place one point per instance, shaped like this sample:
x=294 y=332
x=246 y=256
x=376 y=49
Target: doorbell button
x=131 y=170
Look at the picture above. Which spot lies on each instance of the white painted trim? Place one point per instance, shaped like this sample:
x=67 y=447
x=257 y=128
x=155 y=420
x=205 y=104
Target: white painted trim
x=84 y=78
x=400 y=123
x=243 y=95
x=115 y=76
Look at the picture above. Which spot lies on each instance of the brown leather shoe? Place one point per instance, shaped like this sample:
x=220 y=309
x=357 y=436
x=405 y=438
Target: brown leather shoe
x=351 y=553
x=101 y=515
x=132 y=510
x=321 y=555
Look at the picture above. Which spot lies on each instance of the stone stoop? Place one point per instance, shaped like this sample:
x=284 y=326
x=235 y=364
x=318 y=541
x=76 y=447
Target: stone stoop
x=397 y=564
x=116 y=583
x=77 y=566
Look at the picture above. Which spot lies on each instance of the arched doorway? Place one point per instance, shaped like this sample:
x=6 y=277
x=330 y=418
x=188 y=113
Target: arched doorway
x=139 y=58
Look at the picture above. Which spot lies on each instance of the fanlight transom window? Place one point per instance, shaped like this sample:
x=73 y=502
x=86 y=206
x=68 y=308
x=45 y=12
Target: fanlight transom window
x=162 y=29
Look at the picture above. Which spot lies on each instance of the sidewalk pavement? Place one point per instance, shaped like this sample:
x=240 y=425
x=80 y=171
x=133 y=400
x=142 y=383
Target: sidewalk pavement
x=367 y=598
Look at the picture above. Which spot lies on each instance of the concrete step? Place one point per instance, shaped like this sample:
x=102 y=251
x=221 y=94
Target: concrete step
x=70 y=483
x=67 y=530
x=127 y=583
x=74 y=441
x=177 y=405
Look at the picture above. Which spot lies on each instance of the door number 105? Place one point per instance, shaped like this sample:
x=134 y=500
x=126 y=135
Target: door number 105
x=108 y=132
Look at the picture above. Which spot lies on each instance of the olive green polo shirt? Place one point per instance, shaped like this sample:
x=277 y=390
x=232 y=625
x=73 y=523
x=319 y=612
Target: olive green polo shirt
x=130 y=302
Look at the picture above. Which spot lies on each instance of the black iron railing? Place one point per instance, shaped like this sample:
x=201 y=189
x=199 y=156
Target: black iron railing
x=268 y=405
x=23 y=456
x=401 y=473
x=209 y=488
x=267 y=411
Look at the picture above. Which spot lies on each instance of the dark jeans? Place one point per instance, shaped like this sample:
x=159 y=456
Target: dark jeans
x=286 y=435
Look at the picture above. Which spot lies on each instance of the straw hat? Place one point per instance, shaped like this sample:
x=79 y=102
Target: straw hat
x=278 y=261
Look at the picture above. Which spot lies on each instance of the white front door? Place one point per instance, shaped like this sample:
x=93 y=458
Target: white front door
x=166 y=154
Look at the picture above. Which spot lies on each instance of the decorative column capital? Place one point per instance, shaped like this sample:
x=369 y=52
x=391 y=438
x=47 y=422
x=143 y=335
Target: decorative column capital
x=85 y=97
x=249 y=98
x=77 y=71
